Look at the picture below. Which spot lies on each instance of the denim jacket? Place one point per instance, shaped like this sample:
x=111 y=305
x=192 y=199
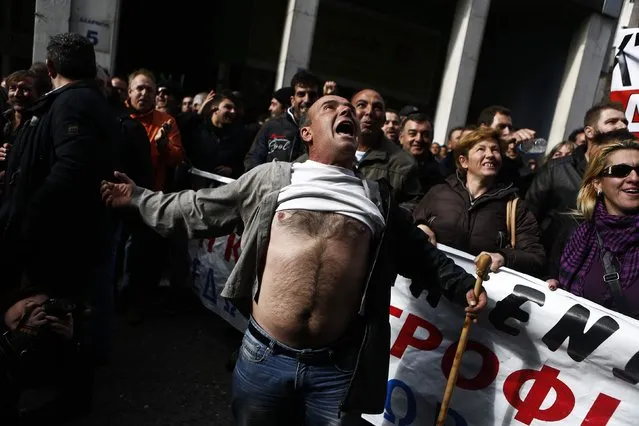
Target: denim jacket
x=252 y=199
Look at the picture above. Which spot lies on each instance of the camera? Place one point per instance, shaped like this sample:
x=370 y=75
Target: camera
x=58 y=307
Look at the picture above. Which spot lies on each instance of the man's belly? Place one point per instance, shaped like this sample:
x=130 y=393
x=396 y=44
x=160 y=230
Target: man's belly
x=312 y=282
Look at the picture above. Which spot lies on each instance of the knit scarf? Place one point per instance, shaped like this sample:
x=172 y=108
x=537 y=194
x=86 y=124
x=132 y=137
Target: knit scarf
x=620 y=236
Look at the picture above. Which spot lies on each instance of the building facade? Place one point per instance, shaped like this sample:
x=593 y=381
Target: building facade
x=16 y=34
x=543 y=59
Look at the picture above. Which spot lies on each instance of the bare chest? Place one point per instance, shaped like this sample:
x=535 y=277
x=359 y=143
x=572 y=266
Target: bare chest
x=321 y=225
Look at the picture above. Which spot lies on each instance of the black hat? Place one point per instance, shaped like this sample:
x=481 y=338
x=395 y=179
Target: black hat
x=283 y=95
x=169 y=87
x=408 y=110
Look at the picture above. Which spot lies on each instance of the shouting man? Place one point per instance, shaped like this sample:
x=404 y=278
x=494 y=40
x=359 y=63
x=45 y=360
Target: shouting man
x=320 y=250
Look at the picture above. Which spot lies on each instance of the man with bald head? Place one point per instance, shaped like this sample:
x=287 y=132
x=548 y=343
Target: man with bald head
x=316 y=348
x=377 y=157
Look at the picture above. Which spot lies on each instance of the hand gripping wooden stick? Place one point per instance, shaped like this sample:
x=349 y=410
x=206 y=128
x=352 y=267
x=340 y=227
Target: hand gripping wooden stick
x=483 y=263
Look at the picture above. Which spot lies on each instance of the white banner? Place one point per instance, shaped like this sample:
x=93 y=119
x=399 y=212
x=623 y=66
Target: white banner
x=536 y=357
x=211 y=263
x=624 y=86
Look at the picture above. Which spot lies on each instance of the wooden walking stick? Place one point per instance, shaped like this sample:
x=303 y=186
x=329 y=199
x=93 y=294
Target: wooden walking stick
x=483 y=263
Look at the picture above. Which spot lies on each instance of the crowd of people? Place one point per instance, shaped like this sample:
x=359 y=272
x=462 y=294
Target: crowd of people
x=333 y=199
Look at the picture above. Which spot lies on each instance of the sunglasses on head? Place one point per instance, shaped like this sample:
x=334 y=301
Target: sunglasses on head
x=619 y=170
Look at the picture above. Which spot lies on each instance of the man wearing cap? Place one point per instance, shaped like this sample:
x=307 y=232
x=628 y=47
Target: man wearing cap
x=280 y=102
x=406 y=111
x=279 y=138
x=165 y=99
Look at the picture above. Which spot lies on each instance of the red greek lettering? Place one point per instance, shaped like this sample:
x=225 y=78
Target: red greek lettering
x=210 y=245
x=487 y=373
x=601 y=411
x=406 y=336
x=232 y=247
x=529 y=408
x=396 y=312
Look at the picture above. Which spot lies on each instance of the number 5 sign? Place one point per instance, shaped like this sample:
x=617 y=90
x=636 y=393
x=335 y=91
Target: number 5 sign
x=98 y=32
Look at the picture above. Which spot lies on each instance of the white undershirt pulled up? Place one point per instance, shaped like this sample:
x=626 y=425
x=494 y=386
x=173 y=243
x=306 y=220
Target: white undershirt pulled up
x=323 y=188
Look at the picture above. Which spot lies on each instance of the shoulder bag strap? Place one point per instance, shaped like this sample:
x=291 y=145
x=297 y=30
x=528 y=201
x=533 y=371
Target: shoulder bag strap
x=511 y=221
x=611 y=275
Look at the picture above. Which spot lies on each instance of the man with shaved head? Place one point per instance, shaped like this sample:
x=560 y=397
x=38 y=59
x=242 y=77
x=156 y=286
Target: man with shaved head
x=316 y=348
x=377 y=157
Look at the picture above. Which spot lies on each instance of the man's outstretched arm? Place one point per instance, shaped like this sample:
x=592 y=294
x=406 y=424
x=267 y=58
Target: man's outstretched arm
x=205 y=213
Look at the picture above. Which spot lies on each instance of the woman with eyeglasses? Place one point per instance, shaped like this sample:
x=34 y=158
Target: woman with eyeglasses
x=600 y=261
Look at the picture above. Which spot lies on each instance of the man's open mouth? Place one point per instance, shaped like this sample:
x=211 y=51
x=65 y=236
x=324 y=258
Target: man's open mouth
x=345 y=128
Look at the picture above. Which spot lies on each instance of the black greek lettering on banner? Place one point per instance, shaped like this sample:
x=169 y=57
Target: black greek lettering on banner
x=572 y=326
x=630 y=372
x=510 y=307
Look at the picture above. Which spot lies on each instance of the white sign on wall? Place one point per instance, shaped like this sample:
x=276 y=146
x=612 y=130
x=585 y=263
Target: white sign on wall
x=98 y=32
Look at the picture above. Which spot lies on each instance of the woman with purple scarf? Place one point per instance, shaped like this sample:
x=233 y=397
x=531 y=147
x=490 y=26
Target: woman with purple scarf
x=600 y=262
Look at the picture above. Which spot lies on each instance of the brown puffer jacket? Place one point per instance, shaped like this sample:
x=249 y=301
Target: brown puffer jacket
x=480 y=225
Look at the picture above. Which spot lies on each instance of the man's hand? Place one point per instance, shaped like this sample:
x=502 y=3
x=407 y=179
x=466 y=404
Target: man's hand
x=4 y=151
x=206 y=101
x=61 y=326
x=161 y=138
x=223 y=170
x=117 y=194
x=429 y=233
x=474 y=306
x=26 y=314
x=496 y=260
x=329 y=88
x=520 y=135
x=552 y=284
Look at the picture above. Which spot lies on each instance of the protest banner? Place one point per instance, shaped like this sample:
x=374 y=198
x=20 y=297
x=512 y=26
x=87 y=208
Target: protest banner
x=624 y=86
x=536 y=357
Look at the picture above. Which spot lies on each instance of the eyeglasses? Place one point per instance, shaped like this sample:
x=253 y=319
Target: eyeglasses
x=619 y=170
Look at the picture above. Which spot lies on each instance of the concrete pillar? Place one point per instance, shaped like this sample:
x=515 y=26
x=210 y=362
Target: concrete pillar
x=96 y=20
x=6 y=24
x=461 y=63
x=633 y=20
x=297 y=39
x=51 y=18
x=586 y=57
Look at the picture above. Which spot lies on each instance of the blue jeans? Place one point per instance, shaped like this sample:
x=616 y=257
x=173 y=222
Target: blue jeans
x=273 y=388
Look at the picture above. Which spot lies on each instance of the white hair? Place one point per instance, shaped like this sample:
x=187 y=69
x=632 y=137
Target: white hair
x=199 y=98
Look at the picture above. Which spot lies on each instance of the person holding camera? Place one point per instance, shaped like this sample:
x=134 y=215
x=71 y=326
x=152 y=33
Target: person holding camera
x=38 y=347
